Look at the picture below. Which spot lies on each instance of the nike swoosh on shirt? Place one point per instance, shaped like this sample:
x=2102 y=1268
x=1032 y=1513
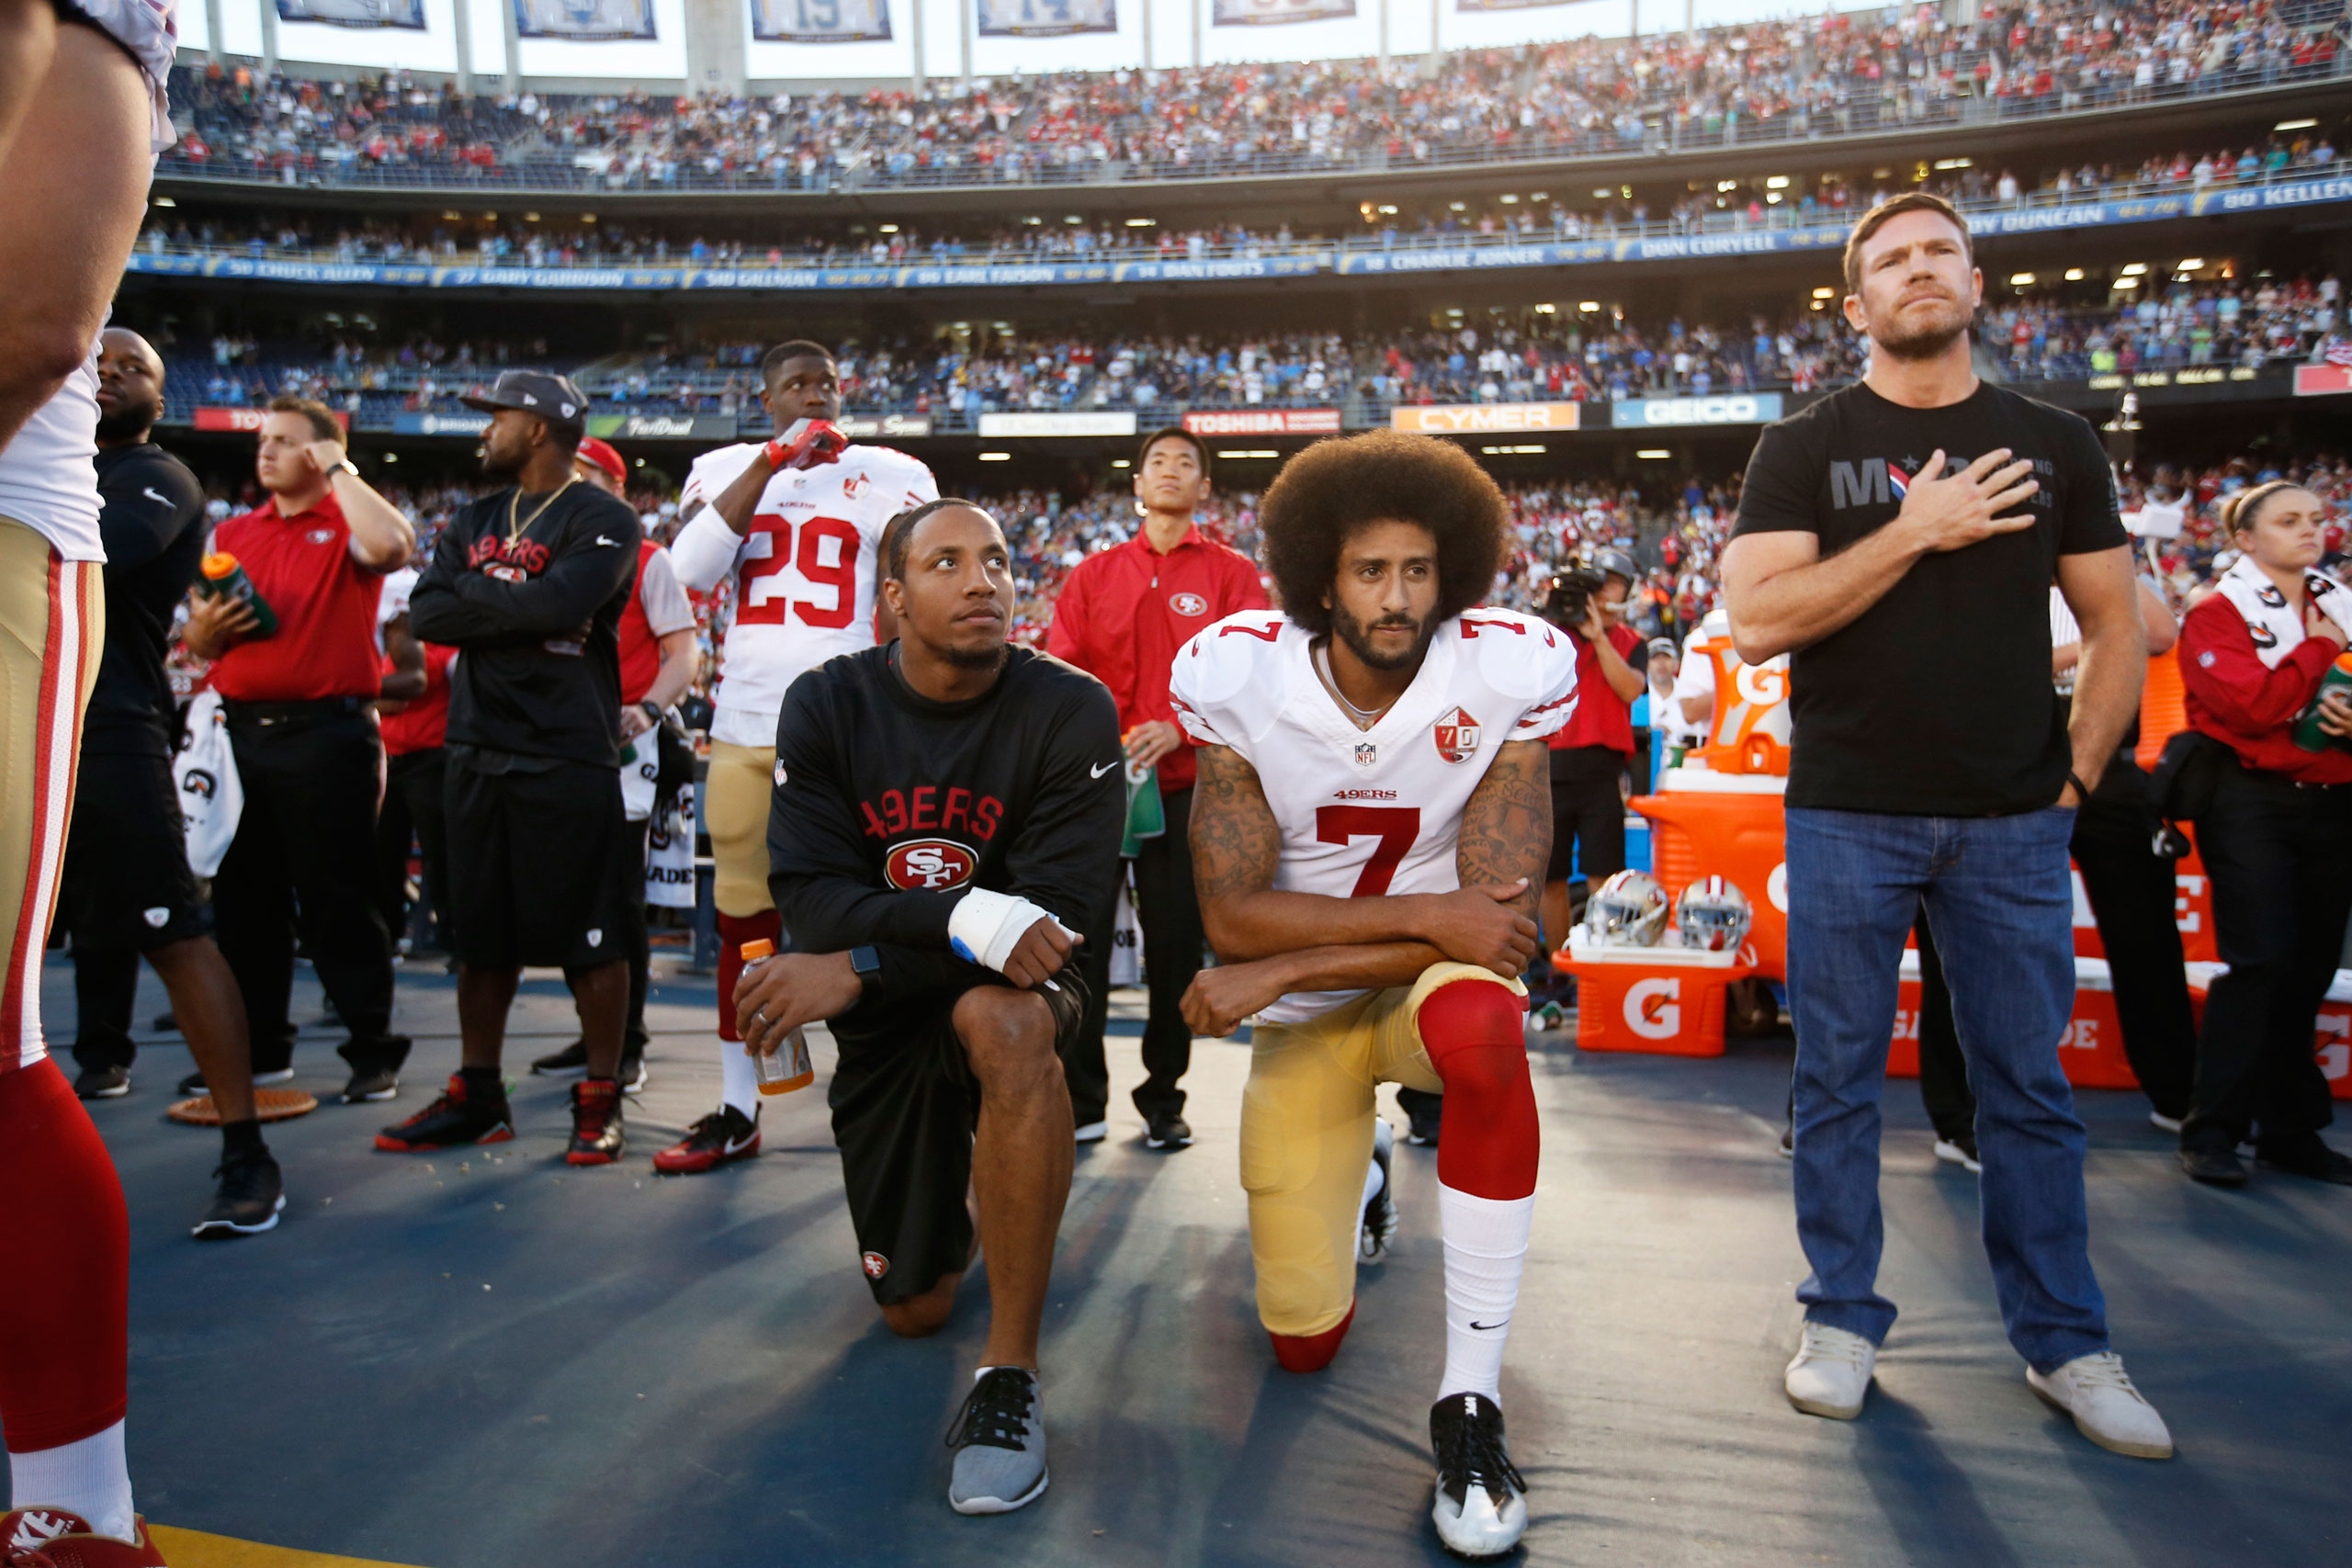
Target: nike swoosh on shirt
x=1105 y=768
x=602 y=540
x=149 y=491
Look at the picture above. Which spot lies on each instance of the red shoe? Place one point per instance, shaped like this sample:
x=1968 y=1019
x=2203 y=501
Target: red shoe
x=595 y=1123
x=453 y=1119
x=51 y=1537
x=725 y=1134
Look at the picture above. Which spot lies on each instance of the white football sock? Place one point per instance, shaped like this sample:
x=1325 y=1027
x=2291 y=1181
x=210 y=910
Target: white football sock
x=90 y=1478
x=1486 y=1244
x=738 y=1086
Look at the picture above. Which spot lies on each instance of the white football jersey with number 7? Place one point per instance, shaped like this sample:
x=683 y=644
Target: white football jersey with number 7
x=1364 y=812
x=805 y=571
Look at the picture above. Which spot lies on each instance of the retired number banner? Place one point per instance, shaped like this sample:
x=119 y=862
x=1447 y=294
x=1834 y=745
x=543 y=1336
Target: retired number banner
x=1274 y=13
x=585 y=21
x=1047 y=18
x=821 y=21
x=409 y=13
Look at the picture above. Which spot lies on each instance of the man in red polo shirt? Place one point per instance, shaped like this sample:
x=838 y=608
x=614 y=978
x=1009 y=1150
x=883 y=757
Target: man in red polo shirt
x=1122 y=616
x=1592 y=750
x=660 y=658
x=303 y=731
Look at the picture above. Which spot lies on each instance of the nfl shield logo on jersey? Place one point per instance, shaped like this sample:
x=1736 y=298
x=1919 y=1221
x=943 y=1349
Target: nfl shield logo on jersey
x=1367 y=755
x=1457 y=736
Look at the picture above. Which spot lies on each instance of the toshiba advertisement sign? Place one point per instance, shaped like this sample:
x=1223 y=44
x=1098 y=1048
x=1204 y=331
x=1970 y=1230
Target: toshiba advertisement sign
x=1484 y=419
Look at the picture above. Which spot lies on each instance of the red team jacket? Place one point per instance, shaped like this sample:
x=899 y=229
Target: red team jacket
x=1125 y=612
x=2235 y=699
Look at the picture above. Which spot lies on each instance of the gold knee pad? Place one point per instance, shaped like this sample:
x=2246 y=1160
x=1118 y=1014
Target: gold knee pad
x=736 y=793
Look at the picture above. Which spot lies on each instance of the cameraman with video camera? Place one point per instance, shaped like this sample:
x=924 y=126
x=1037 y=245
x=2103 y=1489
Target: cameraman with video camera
x=1590 y=751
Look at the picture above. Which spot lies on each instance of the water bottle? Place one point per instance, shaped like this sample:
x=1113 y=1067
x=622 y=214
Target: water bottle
x=225 y=579
x=2308 y=735
x=789 y=1068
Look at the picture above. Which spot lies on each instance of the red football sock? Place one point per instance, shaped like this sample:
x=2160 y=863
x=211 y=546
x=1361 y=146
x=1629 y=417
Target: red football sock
x=1488 y=1142
x=65 y=1326
x=1312 y=1352
x=734 y=931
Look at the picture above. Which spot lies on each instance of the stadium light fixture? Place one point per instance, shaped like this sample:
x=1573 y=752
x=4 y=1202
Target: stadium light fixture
x=447 y=217
x=391 y=457
x=1547 y=309
x=2296 y=125
x=587 y=218
x=1033 y=221
x=1248 y=452
x=2191 y=263
x=1825 y=294
x=996 y=456
x=2073 y=274
x=1603 y=192
x=2127 y=283
x=1587 y=306
x=1727 y=185
x=1508 y=200
x=1944 y=163
x=1539 y=196
x=1653 y=454
x=1073 y=218
x=530 y=218
x=2021 y=280
x=887 y=229
x=1514 y=451
x=165 y=201
x=1778 y=182
x=2133 y=269
x=1121 y=463
x=1772 y=199
x=1457 y=206
x=1142 y=222
x=1388 y=209
x=1821 y=304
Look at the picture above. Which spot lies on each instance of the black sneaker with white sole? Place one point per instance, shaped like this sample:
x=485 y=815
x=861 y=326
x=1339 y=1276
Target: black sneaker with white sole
x=1167 y=1130
x=111 y=1082
x=1481 y=1506
x=370 y=1085
x=632 y=1073
x=247 y=1202
x=194 y=1082
x=571 y=1062
x=1379 y=1227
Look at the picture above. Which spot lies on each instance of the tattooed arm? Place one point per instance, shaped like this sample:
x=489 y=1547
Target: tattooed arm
x=1275 y=943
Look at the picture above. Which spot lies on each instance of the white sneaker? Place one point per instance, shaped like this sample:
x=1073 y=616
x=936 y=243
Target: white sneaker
x=1953 y=1152
x=1831 y=1372
x=1094 y=1132
x=2164 y=1123
x=2096 y=1391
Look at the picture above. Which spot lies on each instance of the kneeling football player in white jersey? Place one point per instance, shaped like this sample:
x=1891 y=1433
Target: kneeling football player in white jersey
x=1369 y=838
x=793 y=523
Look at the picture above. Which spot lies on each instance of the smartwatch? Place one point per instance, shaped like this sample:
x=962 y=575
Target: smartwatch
x=652 y=711
x=865 y=963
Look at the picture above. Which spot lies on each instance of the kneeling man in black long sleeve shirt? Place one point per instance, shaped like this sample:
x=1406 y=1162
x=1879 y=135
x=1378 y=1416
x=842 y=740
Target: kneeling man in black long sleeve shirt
x=529 y=584
x=947 y=816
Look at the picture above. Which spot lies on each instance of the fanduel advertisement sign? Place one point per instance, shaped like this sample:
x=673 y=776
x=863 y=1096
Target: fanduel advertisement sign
x=1738 y=407
x=663 y=426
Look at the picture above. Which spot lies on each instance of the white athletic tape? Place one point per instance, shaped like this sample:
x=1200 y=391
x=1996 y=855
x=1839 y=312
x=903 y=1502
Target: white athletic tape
x=985 y=927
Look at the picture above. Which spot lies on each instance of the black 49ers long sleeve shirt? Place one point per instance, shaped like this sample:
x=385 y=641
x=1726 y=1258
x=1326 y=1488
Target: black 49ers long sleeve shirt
x=889 y=807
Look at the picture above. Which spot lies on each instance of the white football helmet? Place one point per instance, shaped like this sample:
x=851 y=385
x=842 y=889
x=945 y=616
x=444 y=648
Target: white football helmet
x=1714 y=915
x=1628 y=911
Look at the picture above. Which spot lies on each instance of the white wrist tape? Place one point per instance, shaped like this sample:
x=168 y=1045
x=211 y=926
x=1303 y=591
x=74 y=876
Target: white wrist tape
x=986 y=927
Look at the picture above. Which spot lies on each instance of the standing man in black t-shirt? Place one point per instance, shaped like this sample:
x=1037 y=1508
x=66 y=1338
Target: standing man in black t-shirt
x=1899 y=538
x=528 y=584
x=128 y=892
x=945 y=819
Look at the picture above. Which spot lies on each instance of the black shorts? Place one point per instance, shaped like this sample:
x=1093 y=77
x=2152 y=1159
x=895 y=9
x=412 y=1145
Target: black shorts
x=542 y=865
x=905 y=1105
x=1588 y=812
x=127 y=886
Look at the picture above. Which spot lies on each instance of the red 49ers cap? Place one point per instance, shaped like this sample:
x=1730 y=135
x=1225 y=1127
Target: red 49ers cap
x=600 y=453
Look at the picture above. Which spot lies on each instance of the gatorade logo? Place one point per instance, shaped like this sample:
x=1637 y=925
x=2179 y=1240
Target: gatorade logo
x=1763 y=684
x=875 y=1264
x=930 y=863
x=1654 y=1008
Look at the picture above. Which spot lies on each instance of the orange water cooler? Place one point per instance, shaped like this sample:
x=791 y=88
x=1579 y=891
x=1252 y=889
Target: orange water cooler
x=1665 y=1001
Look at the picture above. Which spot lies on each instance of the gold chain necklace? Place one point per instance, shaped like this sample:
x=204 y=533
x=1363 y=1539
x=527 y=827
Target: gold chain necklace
x=514 y=502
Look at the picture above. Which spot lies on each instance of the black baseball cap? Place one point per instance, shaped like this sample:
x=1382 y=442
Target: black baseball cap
x=553 y=398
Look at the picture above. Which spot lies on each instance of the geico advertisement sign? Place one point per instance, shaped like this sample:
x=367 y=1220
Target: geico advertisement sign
x=1757 y=408
x=1484 y=419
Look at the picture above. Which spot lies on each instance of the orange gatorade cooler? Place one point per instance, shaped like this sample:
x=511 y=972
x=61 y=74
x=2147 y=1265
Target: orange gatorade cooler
x=1728 y=825
x=1665 y=1001
x=2090 y=1052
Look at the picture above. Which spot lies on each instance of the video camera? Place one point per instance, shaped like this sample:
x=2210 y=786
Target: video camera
x=1570 y=599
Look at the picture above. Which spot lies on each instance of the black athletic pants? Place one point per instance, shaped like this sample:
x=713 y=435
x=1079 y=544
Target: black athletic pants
x=413 y=810
x=1170 y=913
x=2132 y=891
x=2280 y=858
x=305 y=851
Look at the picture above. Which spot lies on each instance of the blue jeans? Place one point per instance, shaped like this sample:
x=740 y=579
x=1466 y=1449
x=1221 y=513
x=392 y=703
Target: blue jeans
x=2001 y=905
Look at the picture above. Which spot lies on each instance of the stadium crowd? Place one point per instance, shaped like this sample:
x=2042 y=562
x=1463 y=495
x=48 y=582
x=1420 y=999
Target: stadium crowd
x=1807 y=77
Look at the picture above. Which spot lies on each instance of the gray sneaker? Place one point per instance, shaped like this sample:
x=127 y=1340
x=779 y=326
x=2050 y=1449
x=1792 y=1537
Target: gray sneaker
x=999 y=1442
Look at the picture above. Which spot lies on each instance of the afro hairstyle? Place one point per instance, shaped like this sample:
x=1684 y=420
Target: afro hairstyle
x=1336 y=487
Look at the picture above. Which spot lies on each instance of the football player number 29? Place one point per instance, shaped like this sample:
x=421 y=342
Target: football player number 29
x=1396 y=828
x=764 y=602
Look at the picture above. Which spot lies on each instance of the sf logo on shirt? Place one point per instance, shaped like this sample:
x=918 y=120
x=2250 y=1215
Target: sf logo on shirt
x=930 y=863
